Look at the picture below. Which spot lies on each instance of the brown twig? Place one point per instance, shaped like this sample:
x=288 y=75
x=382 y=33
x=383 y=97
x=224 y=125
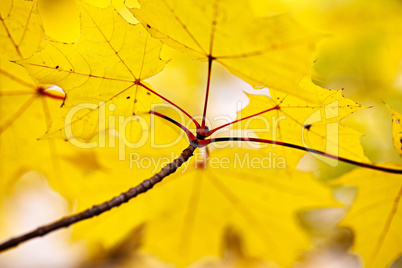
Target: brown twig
x=98 y=209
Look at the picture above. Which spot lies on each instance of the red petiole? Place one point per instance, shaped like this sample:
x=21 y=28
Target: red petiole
x=209 y=133
x=170 y=102
x=188 y=132
x=204 y=114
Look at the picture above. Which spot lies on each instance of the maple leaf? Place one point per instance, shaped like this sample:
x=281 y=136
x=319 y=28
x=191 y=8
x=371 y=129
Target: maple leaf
x=25 y=105
x=21 y=32
x=286 y=118
x=121 y=6
x=200 y=203
x=132 y=56
x=375 y=216
x=60 y=20
x=251 y=48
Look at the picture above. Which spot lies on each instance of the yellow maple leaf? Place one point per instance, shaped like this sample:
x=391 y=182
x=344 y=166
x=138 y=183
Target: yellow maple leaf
x=60 y=19
x=21 y=32
x=184 y=217
x=98 y=88
x=251 y=48
x=289 y=119
x=375 y=216
x=25 y=105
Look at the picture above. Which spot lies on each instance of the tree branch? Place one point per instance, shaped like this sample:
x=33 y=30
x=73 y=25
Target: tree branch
x=98 y=209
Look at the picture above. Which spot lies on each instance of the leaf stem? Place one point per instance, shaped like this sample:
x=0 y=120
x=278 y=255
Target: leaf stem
x=188 y=132
x=172 y=103
x=98 y=209
x=210 y=59
x=202 y=143
x=209 y=133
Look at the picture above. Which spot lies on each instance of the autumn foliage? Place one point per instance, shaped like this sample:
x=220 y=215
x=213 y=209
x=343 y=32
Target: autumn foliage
x=294 y=107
